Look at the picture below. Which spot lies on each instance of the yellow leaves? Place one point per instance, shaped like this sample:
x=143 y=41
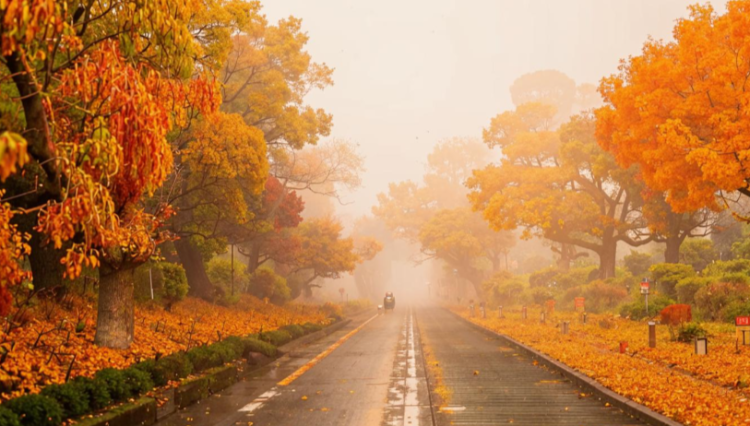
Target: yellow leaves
x=13 y=153
x=669 y=379
x=28 y=367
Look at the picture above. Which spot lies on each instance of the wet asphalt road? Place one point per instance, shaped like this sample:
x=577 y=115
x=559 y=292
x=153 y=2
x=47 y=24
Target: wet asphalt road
x=377 y=378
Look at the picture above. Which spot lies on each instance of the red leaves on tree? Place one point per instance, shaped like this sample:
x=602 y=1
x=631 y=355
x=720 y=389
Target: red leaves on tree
x=676 y=314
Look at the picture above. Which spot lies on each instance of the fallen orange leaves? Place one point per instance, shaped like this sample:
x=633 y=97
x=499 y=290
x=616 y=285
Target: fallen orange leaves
x=41 y=351
x=692 y=389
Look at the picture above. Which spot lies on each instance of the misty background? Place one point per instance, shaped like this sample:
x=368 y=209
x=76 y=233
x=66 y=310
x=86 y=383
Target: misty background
x=410 y=73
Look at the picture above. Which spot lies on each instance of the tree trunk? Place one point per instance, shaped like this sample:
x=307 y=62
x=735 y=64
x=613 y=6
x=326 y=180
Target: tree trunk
x=253 y=259
x=46 y=268
x=115 y=321
x=192 y=261
x=672 y=252
x=607 y=258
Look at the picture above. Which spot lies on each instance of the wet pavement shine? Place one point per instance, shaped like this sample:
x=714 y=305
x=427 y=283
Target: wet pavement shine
x=372 y=373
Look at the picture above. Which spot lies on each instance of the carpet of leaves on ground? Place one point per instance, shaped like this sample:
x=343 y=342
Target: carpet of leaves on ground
x=670 y=379
x=45 y=343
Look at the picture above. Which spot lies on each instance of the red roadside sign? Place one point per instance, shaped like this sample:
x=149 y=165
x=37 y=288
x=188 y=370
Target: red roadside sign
x=742 y=321
x=580 y=302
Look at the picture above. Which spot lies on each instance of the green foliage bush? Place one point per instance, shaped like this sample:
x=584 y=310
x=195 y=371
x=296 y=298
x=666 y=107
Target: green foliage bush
x=137 y=381
x=504 y=289
x=311 y=327
x=687 y=287
x=96 y=391
x=539 y=295
x=717 y=269
x=543 y=277
x=276 y=337
x=715 y=297
x=637 y=263
x=172 y=367
x=8 y=418
x=219 y=271
x=36 y=410
x=295 y=330
x=689 y=331
x=667 y=275
x=637 y=309
x=600 y=295
x=169 y=282
x=734 y=309
x=574 y=278
x=258 y=346
x=72 y=397
x=698 y=253
x=117 y=385
x=265 y=283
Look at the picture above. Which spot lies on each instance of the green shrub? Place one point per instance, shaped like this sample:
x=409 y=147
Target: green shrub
x=72 y=397
x=117 y=385
x=258 y=346
x=637 y=309
x=172 y=367
x=96 y=391
x=544 y=277
x=147 y=367
x=311 y=327
x=265 y=283
x=713 y=298
x=667 y=275
x=8 y=418
x=36 y=410
x=217 y=354
x=689 y=331
x=276 y=337
x=219 y=271
x=637 y=263
x=236 y=344
x=574 y=277
x=294 y=330
x=698 y=253
x=717 y=269
x=539 y=295
x=735 y=309
x=137 y=381
x=175 y=286
x=687 y=287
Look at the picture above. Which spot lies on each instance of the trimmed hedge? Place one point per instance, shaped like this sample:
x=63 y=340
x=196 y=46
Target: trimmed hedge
x=276 y=337
x=36 y=410
x=83 y=395
x=8 y=418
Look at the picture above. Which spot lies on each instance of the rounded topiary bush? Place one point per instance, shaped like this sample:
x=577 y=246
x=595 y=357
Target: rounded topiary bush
x=311 y=327
x=295 y=330
x=36 y=410
x=257 y=346
x=276 y=337
x=172 y=367
x=8 y=418
x=116 y=383
x=138 y=381
x=96 y=390
x=71 y=396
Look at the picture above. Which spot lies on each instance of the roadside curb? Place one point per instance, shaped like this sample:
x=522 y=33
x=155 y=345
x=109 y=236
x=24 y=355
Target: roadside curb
x=582 y=381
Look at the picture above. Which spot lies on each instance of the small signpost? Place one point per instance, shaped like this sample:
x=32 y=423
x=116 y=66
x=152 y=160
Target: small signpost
x=524 y=313
x=499 y=311
x=644 y=291
x=564 y=327
x=701 y=346
x=651 y=334
x=550 y=307
x=742 y=325
x=580 y=303
x=623 y=347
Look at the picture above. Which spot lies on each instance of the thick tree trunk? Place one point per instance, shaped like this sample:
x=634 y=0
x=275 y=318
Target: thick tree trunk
x=672 y=252
x=607 y=258
x=115 y=321
x=192 y=261
x=253 y=258
x=46 y=268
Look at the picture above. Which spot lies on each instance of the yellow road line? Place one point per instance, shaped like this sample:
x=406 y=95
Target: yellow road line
x=302 y=370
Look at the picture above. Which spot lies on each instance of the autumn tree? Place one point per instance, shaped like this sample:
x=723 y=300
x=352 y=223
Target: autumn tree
x=463 y=240
x=374 y=243
x=678 y=109
x=218 y=187
x=95 y=91
x=321 y=252
x=558 y=185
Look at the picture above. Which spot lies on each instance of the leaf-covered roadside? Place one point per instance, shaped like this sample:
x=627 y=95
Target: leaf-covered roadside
x=692 y=389
x=54 y=337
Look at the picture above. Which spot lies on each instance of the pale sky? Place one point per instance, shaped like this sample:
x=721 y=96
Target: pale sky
x=409 y=73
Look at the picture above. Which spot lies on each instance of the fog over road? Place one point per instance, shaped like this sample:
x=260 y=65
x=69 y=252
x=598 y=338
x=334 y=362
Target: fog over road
x=372 y=372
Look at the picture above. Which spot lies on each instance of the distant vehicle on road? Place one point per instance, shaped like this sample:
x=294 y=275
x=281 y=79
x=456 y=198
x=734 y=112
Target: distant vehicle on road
x=389 y=301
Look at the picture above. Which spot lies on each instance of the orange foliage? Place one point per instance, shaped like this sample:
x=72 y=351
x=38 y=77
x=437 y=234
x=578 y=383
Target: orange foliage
x=31 y=365
x=676 y=314
x=670 y=379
